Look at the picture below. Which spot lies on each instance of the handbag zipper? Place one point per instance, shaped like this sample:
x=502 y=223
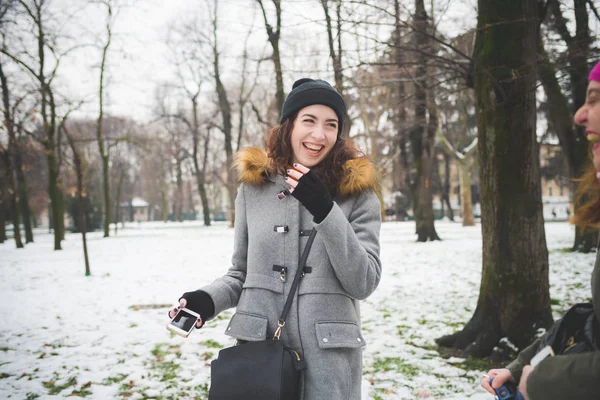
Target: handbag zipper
x=297 y=355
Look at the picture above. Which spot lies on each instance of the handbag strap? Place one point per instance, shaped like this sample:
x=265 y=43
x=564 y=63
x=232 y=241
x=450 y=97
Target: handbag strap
x=295 y=283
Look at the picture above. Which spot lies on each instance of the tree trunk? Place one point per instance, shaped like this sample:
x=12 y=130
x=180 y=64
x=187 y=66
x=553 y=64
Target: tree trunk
x=24 y=198
x=3 y=237
x=163 y=193
x=13 y=163
x=422 y=135
x=14 y=204
x=106 y=191
x=104 y=154
x=118 y=199
x=446 y=187
x=465 y=195
x=55 y=194
x=514 y=300
x=81 y=199
x=178 y=206
x=225 y=108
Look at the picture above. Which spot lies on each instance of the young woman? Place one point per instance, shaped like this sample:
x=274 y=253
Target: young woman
x=308 y=177
x=570 y=376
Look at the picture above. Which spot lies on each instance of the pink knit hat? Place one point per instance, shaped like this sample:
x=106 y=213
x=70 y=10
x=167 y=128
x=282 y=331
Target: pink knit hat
x=595 y=73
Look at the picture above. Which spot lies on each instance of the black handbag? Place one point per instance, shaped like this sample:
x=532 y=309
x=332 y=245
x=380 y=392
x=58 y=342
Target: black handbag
x=576 y=332
x=264 y=370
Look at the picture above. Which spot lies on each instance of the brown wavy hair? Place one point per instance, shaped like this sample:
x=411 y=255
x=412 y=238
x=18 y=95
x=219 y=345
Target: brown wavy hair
x=279 y=148
x=587 y=201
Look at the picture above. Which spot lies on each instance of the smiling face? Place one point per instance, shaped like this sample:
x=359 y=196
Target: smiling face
x=588 y=116
x=313 y=135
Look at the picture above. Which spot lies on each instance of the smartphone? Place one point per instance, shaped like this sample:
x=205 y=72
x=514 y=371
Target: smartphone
x=183 y=322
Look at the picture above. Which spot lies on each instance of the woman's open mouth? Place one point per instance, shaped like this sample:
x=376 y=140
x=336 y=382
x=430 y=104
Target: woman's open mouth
x=313 y=150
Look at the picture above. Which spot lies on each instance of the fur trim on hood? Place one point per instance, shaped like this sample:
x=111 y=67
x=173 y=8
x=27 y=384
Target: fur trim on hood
x=254 y=167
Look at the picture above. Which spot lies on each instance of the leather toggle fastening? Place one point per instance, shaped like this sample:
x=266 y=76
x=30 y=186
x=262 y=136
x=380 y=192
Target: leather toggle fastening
x=281 y=228
x=305 y=232
x=282 y=272
x=306 y=270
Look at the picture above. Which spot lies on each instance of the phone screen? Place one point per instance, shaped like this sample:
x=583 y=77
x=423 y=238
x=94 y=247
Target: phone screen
x=184 y=321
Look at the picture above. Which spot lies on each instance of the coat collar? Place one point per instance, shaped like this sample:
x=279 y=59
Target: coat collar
x=255 y=167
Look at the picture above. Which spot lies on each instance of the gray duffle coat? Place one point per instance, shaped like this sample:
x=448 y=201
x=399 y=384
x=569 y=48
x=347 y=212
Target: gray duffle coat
x=344 y=267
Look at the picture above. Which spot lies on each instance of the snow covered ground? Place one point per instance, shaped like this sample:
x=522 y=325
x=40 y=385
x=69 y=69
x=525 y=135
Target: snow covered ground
x=104 y=336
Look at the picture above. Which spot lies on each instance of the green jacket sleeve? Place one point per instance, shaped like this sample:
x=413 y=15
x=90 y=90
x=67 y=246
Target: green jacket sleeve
x=516 y=367
x=570 y=376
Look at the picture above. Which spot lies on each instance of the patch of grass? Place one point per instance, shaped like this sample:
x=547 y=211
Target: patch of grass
x=125 y=390
x=114 y=379
x=395 y=364
x=563 y=250
x=5 y=348
x=54 y=388
x=4 y=375
x=554 y=302
x=475 y=364
x=133 y=325
x=31 y=396
x=212 y=344
x=84 y=391
x=167 y=369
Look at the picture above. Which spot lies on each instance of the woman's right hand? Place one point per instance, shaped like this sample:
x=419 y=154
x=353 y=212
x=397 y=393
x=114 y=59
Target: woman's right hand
x=183 y=304
x=500 y=376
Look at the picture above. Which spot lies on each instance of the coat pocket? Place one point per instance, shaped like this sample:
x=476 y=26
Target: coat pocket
x=250 y=327
x=339 y=334
x=260 y=281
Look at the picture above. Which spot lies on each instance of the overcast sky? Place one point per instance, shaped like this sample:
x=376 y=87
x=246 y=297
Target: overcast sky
x=139 y=58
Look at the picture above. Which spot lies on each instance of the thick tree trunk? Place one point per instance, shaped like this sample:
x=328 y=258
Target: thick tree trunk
x=466 y=202
x=514 y=300
x=424 y=217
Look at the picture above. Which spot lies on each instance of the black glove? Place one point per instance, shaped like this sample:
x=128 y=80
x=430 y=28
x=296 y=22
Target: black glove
x=200 y=302
x=314 y=195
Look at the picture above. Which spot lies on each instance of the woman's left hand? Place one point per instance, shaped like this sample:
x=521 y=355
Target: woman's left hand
x=310 y=191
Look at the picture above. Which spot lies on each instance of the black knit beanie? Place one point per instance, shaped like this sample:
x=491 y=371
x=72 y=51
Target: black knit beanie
x=306 y=92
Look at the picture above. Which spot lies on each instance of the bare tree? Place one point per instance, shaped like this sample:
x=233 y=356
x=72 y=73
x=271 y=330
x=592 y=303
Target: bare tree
x=226 y=119
x=101 y=140
x=37 y=11
x=77 y=160
x=422 y=135
x=273 y=36
x=560 y=107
